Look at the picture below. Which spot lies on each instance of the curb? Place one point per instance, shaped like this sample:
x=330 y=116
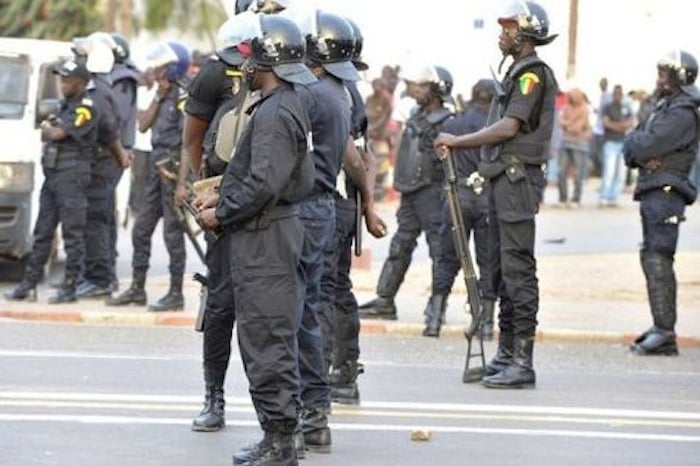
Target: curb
x=368 y=327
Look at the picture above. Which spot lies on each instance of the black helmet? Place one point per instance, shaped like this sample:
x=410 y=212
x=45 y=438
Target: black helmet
x=444 y=83
x=122 y=51
x=333 y=46
x=683 y=67
x=531 y=19
x=242 y=5
x=357 y=50
x=280 y=46
x=483 y=88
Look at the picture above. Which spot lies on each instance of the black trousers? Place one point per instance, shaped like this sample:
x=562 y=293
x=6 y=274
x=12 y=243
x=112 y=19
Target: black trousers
x=420 y=211
x=158 y=204
x=220 y=313
x=475 y=212
x=512 y=209
x=340 y=323
x=101 y=230
x=63 y=199
x=268 y=290
x=662 y=213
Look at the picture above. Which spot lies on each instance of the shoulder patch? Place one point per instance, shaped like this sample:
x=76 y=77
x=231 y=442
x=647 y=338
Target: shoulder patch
x=83 y=114
x=527 y=82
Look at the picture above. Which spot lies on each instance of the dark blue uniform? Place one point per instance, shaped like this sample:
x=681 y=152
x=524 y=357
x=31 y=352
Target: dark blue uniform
x=328 y=108
x=63 y=198
x=106 y=172
x=418 y=176
x=270 y=171
x=209 y=91
x=474 y=206
x=670 y=137
x=166 y=141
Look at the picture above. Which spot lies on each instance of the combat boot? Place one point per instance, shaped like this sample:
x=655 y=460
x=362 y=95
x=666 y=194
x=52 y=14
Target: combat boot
x=661 y=290
x=378 y=308
x=135 y=294
x=487 y=308
x=520 y=373
x=504 y=354
x=343 y=381
x=275 y=449
x=91 y=290
x=434 y=315
x=173 y=300
x=25 y=291
x=317 y=434
x=211 y=418
x=65 y=294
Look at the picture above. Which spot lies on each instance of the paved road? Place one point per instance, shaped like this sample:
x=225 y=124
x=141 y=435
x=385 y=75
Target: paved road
x=80 y=394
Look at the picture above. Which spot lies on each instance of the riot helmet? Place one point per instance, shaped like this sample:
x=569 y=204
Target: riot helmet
x=172 y=55
x=281 y=47
x=357 y=49
x=235 y=32
x=683 y=68
x=269 y=6
x=122 y=50
x=532 y=21
x=332 y=46
x=439 y=78
x=99 y=51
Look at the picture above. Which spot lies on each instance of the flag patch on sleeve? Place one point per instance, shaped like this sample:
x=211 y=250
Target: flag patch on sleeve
x=527 y=82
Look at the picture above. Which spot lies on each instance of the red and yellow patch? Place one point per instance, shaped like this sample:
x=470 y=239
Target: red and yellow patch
x=82 y=116
x=527 y=82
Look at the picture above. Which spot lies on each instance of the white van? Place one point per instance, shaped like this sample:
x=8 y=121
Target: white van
x=28 y=92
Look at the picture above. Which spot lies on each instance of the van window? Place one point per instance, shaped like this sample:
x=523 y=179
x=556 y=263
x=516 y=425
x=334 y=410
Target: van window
x=49 y=82
x=14 y=83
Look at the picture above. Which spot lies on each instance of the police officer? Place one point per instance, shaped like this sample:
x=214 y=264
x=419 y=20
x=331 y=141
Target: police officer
x=418 y=176
x=663 y=149
x=270 y=171
x=68 y=140
x=215 y=94
x=341 y=332
x=474 y=205
x=164 y=118
x=517 y=135
x=99 y=50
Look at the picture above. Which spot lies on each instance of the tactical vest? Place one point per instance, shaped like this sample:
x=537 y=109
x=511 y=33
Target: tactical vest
x=416 y=164
x=675 y=166
x=531 y=144
x=224 y=131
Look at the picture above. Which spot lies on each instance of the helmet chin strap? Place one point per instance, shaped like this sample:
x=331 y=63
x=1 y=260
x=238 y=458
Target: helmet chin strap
x=513 y=50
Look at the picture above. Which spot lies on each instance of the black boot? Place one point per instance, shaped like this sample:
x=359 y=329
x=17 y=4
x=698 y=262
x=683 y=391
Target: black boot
x=317 y=434
x=65 y=294
x=343 y=382
x=173 y=301
x=275 y=449
x=378 y=308
x=211 y=418
x=390 y=279
x=487 y=307
x=25 y=291
x=135 y=294
x=661 y=290
x=434 y=315
x=504 y=354
x=520 y=373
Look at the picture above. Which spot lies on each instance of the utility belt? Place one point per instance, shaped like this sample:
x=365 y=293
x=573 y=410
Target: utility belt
x=54 y=155
x=263 y=220
x=319 y=192
x=474 y=181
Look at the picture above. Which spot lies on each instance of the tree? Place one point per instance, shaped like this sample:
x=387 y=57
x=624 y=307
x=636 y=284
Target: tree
x=202 y=17
x=49 y=19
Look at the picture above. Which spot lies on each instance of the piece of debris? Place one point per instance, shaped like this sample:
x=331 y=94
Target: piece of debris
x=420 y=435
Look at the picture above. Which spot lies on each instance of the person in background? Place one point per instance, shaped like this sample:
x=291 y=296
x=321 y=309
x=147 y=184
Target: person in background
x=575 y=146
x=617 y=120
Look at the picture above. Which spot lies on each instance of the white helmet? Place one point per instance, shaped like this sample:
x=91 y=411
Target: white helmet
x=99 y=49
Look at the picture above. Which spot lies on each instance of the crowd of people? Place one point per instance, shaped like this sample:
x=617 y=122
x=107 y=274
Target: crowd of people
x=269 y=122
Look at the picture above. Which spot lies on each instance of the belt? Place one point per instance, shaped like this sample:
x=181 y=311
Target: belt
x=267 y=216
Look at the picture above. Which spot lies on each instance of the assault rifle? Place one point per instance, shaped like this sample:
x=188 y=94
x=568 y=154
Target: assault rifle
x=461 y=242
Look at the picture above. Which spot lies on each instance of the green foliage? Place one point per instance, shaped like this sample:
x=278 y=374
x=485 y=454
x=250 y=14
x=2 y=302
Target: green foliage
x=48 y=19
x=201 y=17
